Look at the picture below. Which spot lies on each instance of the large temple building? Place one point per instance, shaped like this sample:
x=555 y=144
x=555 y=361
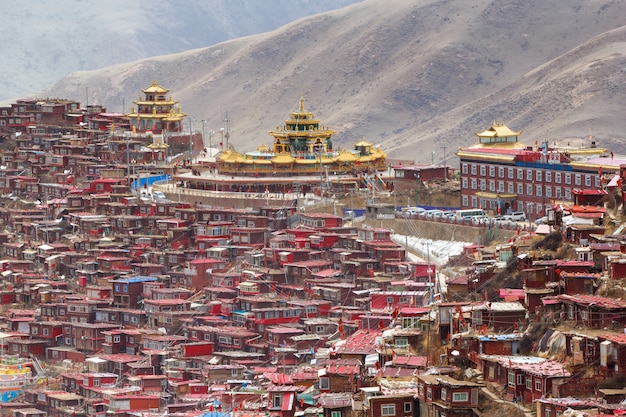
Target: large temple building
x=501 y=174
x=156 y=112
x=302 y=146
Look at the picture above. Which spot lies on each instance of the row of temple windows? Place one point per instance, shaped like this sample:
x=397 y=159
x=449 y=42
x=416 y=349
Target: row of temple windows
x=537 y=190
x=537 y=175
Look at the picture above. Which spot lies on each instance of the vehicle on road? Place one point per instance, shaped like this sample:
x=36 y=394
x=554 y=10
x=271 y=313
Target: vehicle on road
x=462 y=214
x=159 y=197
x=516 y=216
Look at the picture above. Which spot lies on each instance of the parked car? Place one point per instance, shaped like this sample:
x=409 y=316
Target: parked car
x=159 y=196
x=412 y=212
x=434 y=214
x=516 y=216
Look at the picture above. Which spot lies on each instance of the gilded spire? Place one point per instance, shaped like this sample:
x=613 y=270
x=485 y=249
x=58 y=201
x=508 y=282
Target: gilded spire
x=301 y=104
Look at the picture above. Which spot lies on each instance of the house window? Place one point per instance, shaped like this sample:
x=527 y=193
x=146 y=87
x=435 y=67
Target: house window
x=116 y=338
x=429 y=393
x=473 y=169
x=568 y=179
x=474 y=183
x=483 y=170
x=402 y=342
x=492 y=171
x=539 y=176
x=388 y=410
x=548 y=177
x=529 y=383
x=511 y=379
x=464 y=169
x=277 y=400
x=500 y=172
x=538 y=385
x=408 y=407
x=568 y=193
x=459 y=397
x=335 y=414
x=529 y=175
x=520 y=380
x=444 y=393
x=577 y=180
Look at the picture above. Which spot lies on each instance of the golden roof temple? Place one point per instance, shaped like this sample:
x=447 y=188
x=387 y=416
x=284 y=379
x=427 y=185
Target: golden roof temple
x=155 y=112
x=302 y=146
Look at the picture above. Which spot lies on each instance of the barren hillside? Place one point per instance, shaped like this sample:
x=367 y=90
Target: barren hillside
x=413 y=76
x=46 y=40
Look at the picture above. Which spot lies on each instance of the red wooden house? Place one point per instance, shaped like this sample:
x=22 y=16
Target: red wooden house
x=593 y=311
x=198 y=272
x=387 y=405
x=320 y=221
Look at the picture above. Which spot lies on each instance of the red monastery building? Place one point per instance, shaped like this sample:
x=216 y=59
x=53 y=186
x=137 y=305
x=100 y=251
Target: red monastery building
x=501 y=174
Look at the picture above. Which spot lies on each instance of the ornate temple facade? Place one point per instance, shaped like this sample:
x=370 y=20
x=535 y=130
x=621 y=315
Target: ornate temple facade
x=156 y=112
x=303 y=146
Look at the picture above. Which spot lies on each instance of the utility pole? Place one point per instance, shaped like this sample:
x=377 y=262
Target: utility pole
x=417 y=188
x=190 y=142
x=445 y=168
x=203 y=121
x=227 y=128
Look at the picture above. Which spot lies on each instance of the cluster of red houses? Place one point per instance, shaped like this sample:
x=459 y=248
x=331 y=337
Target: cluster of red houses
x=141 y=308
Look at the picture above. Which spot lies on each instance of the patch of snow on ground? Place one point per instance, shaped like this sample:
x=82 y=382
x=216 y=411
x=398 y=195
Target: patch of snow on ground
x=439 y=250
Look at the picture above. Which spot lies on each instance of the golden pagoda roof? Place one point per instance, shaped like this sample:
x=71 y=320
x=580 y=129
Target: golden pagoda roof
x=283 y=158
x=158 y=146
x=230 y=156
x=263 y=148
x=379 y=153
x=498 y=130
x=346 y=156
x=363 y=142
x=155 y=88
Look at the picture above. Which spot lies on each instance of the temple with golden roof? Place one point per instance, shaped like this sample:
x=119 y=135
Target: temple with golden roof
x=155 y=112
x=302 y=159
x=302 y=146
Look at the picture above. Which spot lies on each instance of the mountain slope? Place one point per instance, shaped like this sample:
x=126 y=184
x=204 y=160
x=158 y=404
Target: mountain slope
x=412 y=76
x=45 y=40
